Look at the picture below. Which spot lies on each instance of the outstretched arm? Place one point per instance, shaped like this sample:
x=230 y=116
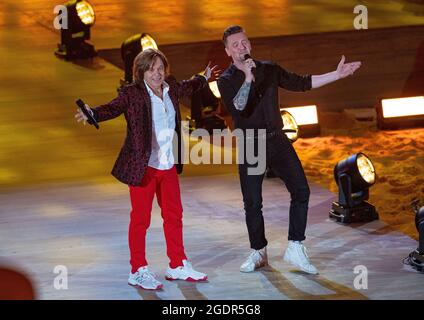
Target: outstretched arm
x=107 y=111
x=343 y=70
x=187 y=87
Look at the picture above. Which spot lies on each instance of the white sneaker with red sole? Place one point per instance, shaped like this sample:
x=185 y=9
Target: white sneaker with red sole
x=186 y=273
x=144 y=279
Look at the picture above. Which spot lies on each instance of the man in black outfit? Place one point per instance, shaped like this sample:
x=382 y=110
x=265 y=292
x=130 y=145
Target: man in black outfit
x=249 y=89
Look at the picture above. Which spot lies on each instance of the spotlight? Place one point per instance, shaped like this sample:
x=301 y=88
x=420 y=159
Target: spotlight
x=307 y=120
x=130 y=48
x=80 y=17
x=205 y=108
x=214 y=88
x=416 y=257
x=419 y=224
x=400 y=113
x=354 y=175
x=290 y=127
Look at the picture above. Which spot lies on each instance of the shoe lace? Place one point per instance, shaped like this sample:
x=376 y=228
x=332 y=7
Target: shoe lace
x=187 y=265
x=255 y=256
x=148 y=275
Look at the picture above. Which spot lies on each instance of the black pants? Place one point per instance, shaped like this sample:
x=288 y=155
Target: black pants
x=283 y=160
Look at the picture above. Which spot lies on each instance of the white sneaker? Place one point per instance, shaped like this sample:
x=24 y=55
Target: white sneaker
x=257 y=259
x=144 y=279
x=296 y=254
x=185 y=272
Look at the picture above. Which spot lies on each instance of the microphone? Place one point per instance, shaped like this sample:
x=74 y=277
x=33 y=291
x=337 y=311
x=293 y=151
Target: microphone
x=253 y=69
x=91 y=119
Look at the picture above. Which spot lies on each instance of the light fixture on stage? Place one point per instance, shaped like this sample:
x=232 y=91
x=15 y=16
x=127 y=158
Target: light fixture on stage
x=206 y=108
x=400 y=113
x=419 y=223
x=213 y=86
x=416 y=257
x=354 y=175
x=130 y=48
x=307 y=120
x=290 y=128
x=74 y=44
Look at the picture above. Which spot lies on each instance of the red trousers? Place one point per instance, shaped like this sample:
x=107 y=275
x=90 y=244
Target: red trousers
x=163 y=183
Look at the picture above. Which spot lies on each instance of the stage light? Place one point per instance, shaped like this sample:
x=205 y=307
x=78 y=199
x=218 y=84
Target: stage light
x=416 y=257
x=307 y=120
x=400 y=113
x=130 y=48
x=214 y=88
x=290 y=128
x=419 y=223
x=85 y=12
x=354 y=176
x=205 y=109
x=80 y=18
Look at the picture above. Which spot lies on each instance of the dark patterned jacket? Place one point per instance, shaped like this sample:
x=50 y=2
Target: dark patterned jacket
x=134 y=102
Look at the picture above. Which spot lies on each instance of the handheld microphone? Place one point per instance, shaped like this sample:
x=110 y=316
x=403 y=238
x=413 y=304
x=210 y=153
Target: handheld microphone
x=84 y=110
x=253 y=69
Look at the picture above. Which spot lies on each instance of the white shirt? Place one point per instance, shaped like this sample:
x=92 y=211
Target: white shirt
x=163 y=129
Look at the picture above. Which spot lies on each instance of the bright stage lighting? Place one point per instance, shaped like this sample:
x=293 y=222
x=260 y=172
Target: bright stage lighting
x=213 y=86
x=85 y=12
x=400 y=113
x=205 y=109
x=354 y=175
x=306 y=118
x=130 y=48
x=290 y=128
x=74 y=45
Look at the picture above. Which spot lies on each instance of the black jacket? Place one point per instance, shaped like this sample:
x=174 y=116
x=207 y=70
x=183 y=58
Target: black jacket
x=262 y=109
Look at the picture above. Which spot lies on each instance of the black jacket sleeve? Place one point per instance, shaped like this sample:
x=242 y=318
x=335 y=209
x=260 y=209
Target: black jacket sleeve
x=292 y=81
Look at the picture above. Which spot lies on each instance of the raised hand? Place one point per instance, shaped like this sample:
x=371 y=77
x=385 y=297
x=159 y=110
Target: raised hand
x=210 y=73
x=347 y=69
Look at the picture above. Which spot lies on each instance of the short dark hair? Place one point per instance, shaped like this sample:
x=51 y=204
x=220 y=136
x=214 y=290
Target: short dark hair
x=229 y=31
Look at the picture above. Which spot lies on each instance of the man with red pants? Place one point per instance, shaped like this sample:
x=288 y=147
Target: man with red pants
x=146 y=161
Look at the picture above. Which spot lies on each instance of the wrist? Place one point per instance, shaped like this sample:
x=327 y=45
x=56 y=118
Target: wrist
x=336 y=75
x=248 y=78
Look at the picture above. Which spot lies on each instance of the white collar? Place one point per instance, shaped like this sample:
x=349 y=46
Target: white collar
x=150 y=91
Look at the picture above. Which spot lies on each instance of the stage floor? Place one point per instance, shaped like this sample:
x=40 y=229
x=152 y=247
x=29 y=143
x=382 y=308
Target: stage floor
x=59 y=206
x=84 y=228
